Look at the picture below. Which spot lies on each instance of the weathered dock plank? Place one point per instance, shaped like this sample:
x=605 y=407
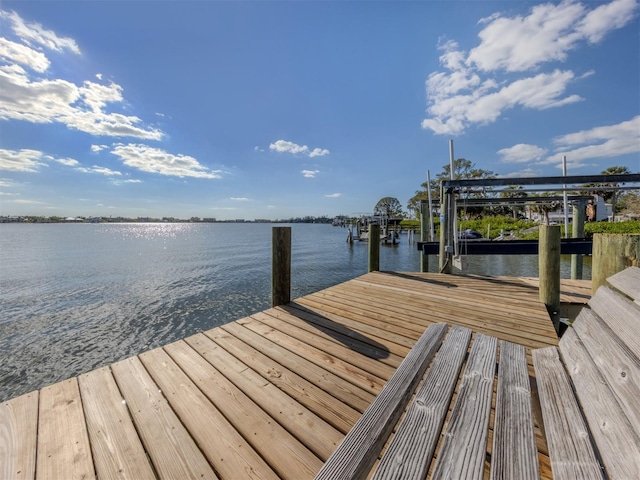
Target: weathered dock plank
x=18 y=437
x=172 y=450
x=63 y=442
x=117 y=450
x=271 y=395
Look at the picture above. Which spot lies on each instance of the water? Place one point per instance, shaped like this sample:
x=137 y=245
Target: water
x=74 y=297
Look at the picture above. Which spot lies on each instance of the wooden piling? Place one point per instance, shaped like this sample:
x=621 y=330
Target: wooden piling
x=281 y=266
x=374 y=247
x=577 y=231
x=549 y=270
x=612 y=253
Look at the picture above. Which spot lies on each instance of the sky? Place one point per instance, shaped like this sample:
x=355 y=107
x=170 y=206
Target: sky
x=280 y=109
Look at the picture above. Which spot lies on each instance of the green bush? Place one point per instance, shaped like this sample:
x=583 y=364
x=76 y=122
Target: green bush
x=631 y=226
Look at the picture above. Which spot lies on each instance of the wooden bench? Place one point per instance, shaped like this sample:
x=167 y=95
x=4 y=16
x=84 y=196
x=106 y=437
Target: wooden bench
x=591 y=415
x=589 y=387
x=463 y=448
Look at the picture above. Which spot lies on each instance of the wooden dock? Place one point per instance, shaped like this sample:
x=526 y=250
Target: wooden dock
x=268 y=396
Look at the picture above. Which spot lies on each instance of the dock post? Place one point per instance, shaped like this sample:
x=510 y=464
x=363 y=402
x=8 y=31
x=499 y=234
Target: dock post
x=549 y=270
x=281 y=266
x=612 y=253
x=577 y=231
x=374 y=247
x=444 y=263
x=424 y=229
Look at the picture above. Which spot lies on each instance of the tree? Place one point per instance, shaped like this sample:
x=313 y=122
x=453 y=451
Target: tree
x=610 y=196
x=462 y=169
x=514 y=191
x=613 y=195
x=389 y=207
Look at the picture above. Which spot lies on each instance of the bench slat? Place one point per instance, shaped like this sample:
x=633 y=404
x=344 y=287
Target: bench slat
x=621 y=314
x=616 y=364
x=464 y=444
x=570 y=448
x=617 y=442
x=411 y=450
x=514 y=455
x=360 y=448
x=628 y=282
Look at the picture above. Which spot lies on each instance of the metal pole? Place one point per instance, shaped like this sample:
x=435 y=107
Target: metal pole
x=577 y=231
x=564 y=195
x=424 y=258
x=431 y=233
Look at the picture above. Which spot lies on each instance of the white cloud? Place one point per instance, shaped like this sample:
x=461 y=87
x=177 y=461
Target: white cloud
x=546 y=34
x=24 y=160
x=310 y=173
x=600 y=142
x=25 y=96
x=474 y=89
x=69 y=162
x=526 y=172
x=155 y=160
x=27 y=202
x=98 y=148
x=521 y=153
x=239 y=199
x=605 y=18
x=284 y=146
x=23 y=55
x=333 y=195
x=133 y=181
x=35 y=33
x=319 y=152
x=105 y=171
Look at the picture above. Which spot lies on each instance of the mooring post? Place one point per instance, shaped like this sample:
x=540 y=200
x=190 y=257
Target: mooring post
x=577 y=231
x=374 y=247
x=549 y=270
x=612 y=253
x=281 y=266
x=424 y=229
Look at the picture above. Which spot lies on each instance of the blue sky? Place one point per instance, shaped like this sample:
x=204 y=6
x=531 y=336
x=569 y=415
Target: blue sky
x=283 y=109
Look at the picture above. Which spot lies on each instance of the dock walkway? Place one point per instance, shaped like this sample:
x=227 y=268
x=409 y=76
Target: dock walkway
x=268 y=396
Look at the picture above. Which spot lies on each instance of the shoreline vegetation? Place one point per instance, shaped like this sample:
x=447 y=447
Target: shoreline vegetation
x=55 y=219
x=491 y=227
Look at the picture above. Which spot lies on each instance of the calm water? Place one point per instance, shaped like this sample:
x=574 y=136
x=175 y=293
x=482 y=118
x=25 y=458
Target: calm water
x=75 y=297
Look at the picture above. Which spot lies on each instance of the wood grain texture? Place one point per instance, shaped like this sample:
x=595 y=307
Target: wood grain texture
x=410 y=452
x=618 y=366
x=570 y=448
x=620 y=314
x=18 y=437
x=117 y=450
x=617 y=442
x=628 y=282
x=464 y=445
x=291 y=414
x=357 y=453
x=63 y=441
x=172 y=451
x=276 y=445
x=514 y=454
x=231 y=456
